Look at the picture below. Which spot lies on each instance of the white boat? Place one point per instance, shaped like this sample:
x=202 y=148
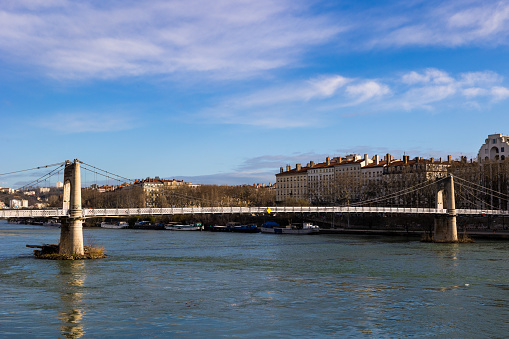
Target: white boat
x=119 y=224
x=304 y=228
x=194 y=227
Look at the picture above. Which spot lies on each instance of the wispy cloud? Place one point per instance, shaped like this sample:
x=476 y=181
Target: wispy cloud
x=450 y=23
x=227 y=38
x=427 y=89
x=312 y=102
x=70 y=123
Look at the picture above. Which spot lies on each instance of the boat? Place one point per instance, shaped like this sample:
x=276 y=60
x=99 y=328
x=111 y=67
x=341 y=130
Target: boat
x=245 y=228
x=146 y=225
x=51 y=223
x=235 y=227
x=193 y=227
x=219 y=228
x=304 y=228
x=118 y=224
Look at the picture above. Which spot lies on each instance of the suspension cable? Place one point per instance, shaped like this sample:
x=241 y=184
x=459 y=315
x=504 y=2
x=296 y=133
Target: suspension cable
x=401 y=192
x=104 y=175
x=500 y=195
x=116 y=175
x=47 y=175
x=506 y=196
x=30 y=169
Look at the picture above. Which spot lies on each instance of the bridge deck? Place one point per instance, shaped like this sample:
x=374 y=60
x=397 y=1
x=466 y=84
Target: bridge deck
x=119 y=212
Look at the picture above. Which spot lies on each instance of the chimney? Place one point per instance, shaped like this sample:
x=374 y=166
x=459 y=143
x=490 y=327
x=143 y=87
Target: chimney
x=432 y=160
x=312 y=163
x=281 y=169
x=366 y=159
x=298 y=167
x=377 y=159
x=388 y=158
x=339 y=160
x=449 y=159
x=327 y=161
x=405 y=159
x=441 y=160
x=288 y=168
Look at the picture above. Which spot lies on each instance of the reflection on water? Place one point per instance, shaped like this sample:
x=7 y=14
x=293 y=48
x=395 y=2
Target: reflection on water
x=71 y=277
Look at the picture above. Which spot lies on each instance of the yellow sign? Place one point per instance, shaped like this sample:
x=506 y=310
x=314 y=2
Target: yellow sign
x=269 y=210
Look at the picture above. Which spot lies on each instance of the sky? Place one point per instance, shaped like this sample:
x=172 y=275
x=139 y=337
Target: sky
x=226 y=92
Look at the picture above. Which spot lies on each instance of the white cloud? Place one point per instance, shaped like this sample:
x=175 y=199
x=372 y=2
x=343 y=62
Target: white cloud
x=70 y=123
x=450 y=24
x=313 y=102
x=499 y=93
x=227 y=38
x=475 y=92
x=326 y=86
x=366 y=91
x=430 y=75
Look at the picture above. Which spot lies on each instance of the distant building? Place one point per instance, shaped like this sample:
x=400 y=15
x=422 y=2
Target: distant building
x=15 y=203
x=43 y=190
x=353 y=177
x=496 y=147
x=60 y=184
x=155 y=187
x=7 y=190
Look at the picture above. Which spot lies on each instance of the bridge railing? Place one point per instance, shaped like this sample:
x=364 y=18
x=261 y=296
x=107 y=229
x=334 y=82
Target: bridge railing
x=29 y=213
x=119 y=212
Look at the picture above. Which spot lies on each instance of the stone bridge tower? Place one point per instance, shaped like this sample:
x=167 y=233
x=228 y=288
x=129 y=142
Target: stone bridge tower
x=445 y=225
x=71 y=231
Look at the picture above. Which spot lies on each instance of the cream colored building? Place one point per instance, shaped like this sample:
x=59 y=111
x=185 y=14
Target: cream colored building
x=496 y=147
x=353 y=178
x=292 y=184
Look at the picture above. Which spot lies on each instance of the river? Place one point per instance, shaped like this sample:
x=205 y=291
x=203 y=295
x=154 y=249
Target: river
x=221 y=285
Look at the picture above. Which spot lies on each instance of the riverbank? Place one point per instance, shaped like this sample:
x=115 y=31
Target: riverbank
x=490 y=235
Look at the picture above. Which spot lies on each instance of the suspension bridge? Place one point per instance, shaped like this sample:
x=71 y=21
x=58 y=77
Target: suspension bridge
x=72 y=214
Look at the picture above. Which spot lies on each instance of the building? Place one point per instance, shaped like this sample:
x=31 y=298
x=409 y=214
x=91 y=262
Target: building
x=292 y=183
x=15 y=203
x=153 y=188
x=495 y=147
x=332 y=180
x=43 y=190
x=60 y=184
x=354 y=178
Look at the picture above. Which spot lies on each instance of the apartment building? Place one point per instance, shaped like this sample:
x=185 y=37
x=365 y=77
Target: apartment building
x=353 y=177
x=292 y=184
x=495 y=147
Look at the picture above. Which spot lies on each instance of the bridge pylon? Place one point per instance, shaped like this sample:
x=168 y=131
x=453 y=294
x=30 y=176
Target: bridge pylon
x=445 y=225
x=71 y=231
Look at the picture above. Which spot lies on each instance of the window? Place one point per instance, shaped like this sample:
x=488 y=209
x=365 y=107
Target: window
x=501 y=149
x=494 y=141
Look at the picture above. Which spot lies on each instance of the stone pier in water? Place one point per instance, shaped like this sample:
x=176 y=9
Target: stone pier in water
x=445 y=225
x=71 y=231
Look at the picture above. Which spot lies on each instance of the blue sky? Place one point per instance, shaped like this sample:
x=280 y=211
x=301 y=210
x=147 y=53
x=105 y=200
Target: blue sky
x=227 y=91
